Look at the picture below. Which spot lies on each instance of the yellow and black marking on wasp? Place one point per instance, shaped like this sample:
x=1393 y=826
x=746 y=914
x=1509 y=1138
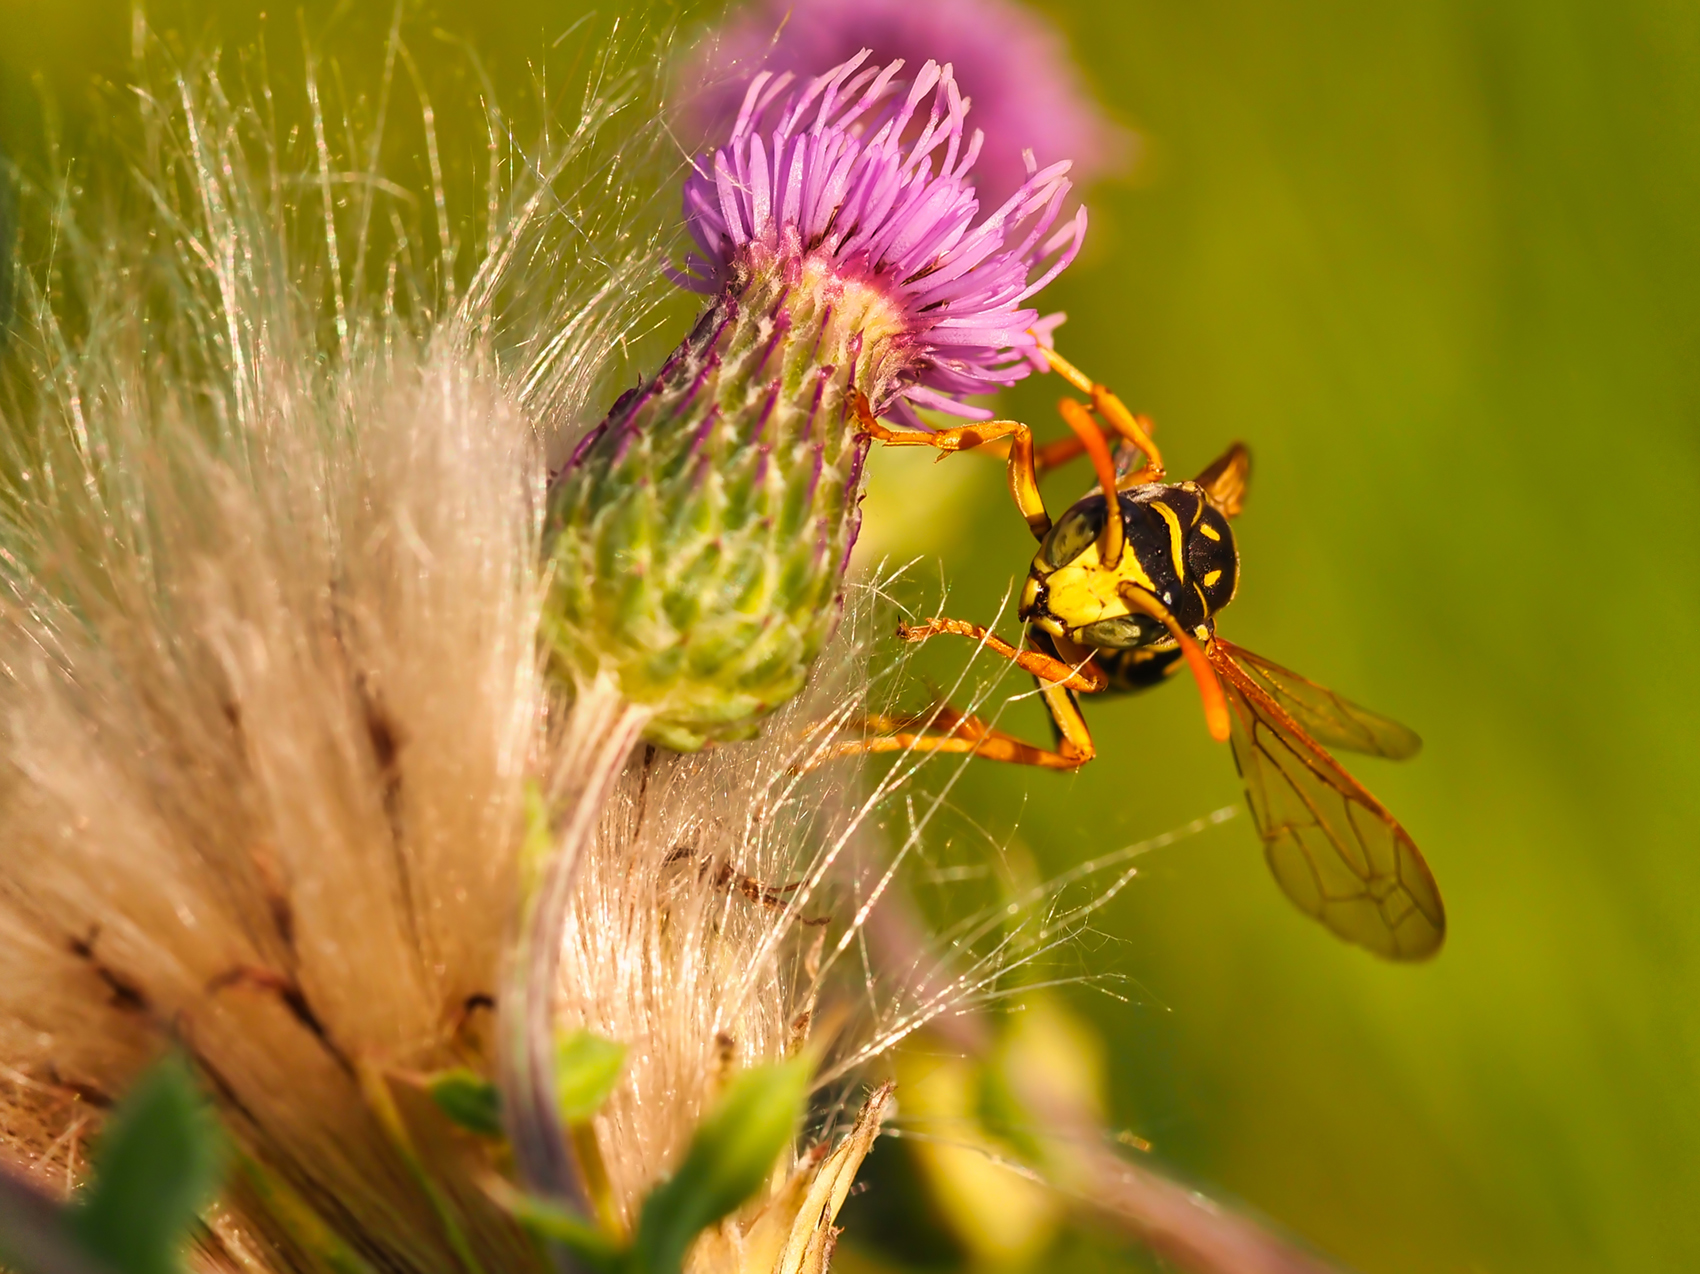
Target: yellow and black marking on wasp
x=1118 y=603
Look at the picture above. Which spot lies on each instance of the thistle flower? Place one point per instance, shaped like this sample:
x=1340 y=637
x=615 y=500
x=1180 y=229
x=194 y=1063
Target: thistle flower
x=699 y=534
x=1007 y=58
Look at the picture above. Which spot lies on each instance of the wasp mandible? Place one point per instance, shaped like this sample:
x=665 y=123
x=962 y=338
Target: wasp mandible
x=1115 y=604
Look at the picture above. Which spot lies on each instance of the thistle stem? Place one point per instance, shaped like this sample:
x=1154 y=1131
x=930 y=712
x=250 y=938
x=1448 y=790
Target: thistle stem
x=599 y=734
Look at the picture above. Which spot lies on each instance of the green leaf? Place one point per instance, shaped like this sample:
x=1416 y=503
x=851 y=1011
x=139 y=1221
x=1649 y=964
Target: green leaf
x=729 y=1158
x=158 y=1164
x=537 y=841
x=587 y=1067
x=469 y=1100
x=558 y=1225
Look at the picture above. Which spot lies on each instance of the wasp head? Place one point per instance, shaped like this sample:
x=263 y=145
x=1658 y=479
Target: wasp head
x=1178 y=548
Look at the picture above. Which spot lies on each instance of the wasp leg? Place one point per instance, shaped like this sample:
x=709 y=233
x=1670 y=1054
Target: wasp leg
x=960 y=733
x=1049 y=455
x=1085 y=676
x=1023 y=480
x=1060 y=451
x=1136 y=429
x=946 y=730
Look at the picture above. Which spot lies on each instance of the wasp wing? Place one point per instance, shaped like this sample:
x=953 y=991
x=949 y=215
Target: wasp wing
x=1334 y=849
x=1332 y=720
x=1226 y=479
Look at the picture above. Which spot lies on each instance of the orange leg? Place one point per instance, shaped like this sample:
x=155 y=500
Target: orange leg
x=1025 y=462
x=1086 y=676
x=1112 y=538
x=960 y=733
x=1136 y=429
x=1023 y=481
x=1056 y=453
x=946 y=730
x=1060 y=451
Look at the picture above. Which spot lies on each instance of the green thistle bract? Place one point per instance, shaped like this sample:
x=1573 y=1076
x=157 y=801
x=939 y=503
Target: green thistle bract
x=698 y=536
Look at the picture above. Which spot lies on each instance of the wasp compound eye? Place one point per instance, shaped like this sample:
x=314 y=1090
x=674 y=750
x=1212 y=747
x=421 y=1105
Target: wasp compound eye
x=1074 y=531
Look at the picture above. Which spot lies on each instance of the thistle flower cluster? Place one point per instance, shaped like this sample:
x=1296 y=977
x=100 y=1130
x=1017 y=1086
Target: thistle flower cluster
x=699 y=535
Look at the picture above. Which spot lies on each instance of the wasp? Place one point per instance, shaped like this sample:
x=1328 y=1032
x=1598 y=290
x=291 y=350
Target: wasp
x=1124 y=591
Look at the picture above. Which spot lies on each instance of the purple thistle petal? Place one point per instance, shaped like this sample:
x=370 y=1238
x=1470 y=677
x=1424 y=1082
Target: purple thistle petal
x=1009 y=60
x=920 y=396
x=904 y=414
x=868 y=174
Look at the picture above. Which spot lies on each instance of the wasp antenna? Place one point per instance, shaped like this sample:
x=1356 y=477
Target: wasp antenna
x=1209 y=687
x=1111 y=539
x=1067 y=370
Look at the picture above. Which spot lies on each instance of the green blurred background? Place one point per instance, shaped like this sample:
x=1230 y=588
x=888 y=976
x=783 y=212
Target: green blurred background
x=1439 y=263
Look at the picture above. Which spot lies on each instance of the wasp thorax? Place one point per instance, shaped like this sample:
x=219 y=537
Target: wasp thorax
x=1178 y=548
